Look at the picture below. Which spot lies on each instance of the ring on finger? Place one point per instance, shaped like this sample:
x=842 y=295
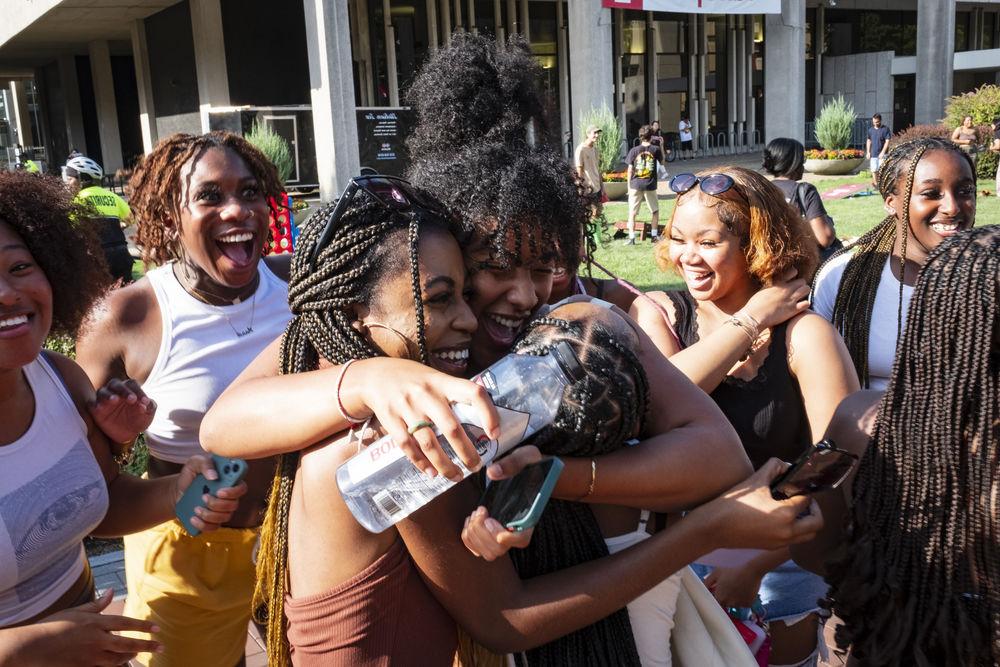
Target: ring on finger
x=423 y=423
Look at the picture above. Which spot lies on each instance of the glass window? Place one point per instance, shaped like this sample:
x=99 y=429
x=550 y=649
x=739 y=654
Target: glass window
x=962 y=30
x=989 y=26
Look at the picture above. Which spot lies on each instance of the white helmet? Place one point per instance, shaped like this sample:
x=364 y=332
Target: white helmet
x=84 y=166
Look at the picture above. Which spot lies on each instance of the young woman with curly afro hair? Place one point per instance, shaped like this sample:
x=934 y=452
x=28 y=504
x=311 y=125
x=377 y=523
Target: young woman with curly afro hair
x=744 y=337
x=59 y=440
x=206 y=307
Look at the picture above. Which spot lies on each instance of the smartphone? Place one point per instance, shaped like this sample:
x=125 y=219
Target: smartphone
x=517 y=503
x=231 y=473
x=823 y=466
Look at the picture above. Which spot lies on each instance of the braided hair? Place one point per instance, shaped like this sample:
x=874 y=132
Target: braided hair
x=350 y=270
x=917 y=579
x=852 y=310
x=155 y=188
x=598 y=415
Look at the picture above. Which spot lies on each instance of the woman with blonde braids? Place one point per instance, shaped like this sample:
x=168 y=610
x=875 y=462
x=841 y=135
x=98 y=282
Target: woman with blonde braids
x=910 y=546
x=929 y=188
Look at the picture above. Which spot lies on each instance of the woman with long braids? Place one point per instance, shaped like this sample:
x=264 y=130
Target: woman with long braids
x=915 y=568
x=184 y=332
x=777 y=373
x=929 y=188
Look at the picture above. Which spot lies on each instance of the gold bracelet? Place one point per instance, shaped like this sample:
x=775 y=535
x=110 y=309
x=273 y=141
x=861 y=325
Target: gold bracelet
x=593 y=480
x=124 y=457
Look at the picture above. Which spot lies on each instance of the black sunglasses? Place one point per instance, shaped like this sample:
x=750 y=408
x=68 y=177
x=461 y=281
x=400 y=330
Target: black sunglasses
x=393 y=193
x=713 y=184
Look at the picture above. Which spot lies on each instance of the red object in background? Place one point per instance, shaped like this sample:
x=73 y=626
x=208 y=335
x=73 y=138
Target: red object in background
x=281 y=226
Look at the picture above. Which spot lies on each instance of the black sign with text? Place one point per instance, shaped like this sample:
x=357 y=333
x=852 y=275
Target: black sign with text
x=382 y=139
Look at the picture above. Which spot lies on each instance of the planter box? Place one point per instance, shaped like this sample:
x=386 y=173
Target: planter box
x=833 y=167
x=615 y=190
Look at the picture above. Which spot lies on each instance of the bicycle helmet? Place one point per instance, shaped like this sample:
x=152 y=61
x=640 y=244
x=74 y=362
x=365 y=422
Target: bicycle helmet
x=84 y=166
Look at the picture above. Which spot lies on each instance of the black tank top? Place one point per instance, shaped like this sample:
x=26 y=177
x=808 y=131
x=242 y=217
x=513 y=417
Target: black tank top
x=766 y=411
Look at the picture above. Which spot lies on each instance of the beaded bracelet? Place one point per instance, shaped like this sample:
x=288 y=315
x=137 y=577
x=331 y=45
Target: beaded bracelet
x=340 y=405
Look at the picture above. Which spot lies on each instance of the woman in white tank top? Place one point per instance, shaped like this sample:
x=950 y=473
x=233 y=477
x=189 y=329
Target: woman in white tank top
x=58 y=478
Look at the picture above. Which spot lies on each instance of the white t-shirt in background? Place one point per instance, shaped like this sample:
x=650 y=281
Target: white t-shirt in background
x=882 y=333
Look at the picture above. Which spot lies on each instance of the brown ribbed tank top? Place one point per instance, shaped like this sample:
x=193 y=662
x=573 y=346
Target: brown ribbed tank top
x=382 y=616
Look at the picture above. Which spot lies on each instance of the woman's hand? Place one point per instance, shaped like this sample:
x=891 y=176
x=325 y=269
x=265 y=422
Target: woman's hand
x=420 y=394
x=215 y=510
x=482 y=534
x=747 y=516
x=122 y=410
x=79 y=636
x=735 y=586
x=785 y=298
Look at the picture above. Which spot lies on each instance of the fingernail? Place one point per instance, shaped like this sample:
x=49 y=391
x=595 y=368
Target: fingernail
x=155 y=628
x=204 y=499
x=159 y=648
x=430 y=471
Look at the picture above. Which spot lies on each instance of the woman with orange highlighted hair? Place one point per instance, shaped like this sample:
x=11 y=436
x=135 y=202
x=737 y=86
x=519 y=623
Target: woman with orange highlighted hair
x=743 y=335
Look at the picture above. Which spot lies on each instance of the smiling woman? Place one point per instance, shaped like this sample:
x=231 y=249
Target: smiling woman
x=184 y=332
x=929 y=189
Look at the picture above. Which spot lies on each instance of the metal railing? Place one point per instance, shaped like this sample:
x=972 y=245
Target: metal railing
x=859 y=133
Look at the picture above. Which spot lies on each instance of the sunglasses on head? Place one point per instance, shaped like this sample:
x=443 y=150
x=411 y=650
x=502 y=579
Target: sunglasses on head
x=713 y=184
x=394 y=194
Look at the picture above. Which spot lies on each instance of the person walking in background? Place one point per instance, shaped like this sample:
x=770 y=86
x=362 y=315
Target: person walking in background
x=995 y=147
x=877 y=145
x=784 y=159
x=687 y=139
x=587 y=161
x=642 y=163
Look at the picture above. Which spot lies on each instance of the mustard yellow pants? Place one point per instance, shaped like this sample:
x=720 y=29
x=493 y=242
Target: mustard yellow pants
x=197 y=589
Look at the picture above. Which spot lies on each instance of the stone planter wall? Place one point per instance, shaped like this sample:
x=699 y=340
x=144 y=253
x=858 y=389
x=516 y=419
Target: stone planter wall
x=615 y=190
x=833 y=167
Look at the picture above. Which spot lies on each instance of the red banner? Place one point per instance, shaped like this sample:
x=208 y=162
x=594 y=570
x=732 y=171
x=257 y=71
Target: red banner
x=699 y=6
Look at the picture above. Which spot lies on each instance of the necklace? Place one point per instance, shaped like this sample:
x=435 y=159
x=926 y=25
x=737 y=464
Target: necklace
x=253 y=311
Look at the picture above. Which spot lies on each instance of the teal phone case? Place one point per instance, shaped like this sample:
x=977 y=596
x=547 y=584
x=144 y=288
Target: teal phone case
x=231 y=473
x=530 y=518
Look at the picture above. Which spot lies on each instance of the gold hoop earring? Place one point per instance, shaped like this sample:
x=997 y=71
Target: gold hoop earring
x=399 y=335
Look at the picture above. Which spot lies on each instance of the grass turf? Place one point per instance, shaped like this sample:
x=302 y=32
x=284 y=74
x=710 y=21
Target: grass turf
x=853 y=217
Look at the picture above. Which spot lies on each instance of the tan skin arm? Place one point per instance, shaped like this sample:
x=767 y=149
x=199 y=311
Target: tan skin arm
x=956 y=137
x=506 y=614
x=137 y=504
x=822 y=230
x=708 y=362
x=850 y=429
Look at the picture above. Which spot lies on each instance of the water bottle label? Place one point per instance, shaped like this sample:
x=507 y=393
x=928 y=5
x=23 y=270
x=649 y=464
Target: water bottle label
x=487 y=381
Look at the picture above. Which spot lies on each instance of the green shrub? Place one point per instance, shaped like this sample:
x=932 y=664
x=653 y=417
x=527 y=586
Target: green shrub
x=609 y=144
x=983 y=104
x=274 y=147
x=986 y=165
x=922 y=131
x=835 y=124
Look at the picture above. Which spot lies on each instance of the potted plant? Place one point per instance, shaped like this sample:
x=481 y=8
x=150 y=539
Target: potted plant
x=276 y=149
x=615 y=184
x=609 y=146
x=834 y=126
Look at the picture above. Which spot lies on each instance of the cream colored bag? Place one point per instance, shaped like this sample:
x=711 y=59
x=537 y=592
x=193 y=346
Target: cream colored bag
x=704 y=635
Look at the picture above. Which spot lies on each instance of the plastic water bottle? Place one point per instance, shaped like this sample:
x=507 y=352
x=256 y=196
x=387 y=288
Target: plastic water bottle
x=381 y=486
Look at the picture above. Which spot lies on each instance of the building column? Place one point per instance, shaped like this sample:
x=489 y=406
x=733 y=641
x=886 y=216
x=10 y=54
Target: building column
x=107 y=113
x=732 y=118
x=511 y=17
x=390 y=53
x=935 y=58
x=590 y=60
x=692 y=78
x=498 y=28
x=473 y=26
x=785 y=71
x=362 y=50
x=19 y=114
x=432 y=26
x=210 y=57
x=76 y=138
x=524 y=21
x=331 y=78
x=652 y=99
x=702 y=127
x=819 y=39
x=143 y=82
x=562 y=57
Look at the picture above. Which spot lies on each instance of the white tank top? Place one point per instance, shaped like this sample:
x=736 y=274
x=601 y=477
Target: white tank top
x=202 y=350
x=52 y=495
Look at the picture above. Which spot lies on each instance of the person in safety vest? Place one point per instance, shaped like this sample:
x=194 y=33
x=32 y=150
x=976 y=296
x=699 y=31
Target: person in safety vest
x=83 y=176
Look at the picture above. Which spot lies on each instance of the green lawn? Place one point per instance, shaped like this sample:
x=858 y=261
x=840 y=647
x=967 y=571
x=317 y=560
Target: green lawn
x=853 y=217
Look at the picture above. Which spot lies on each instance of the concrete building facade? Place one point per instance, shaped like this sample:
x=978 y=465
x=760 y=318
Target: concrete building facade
x=330 y=75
